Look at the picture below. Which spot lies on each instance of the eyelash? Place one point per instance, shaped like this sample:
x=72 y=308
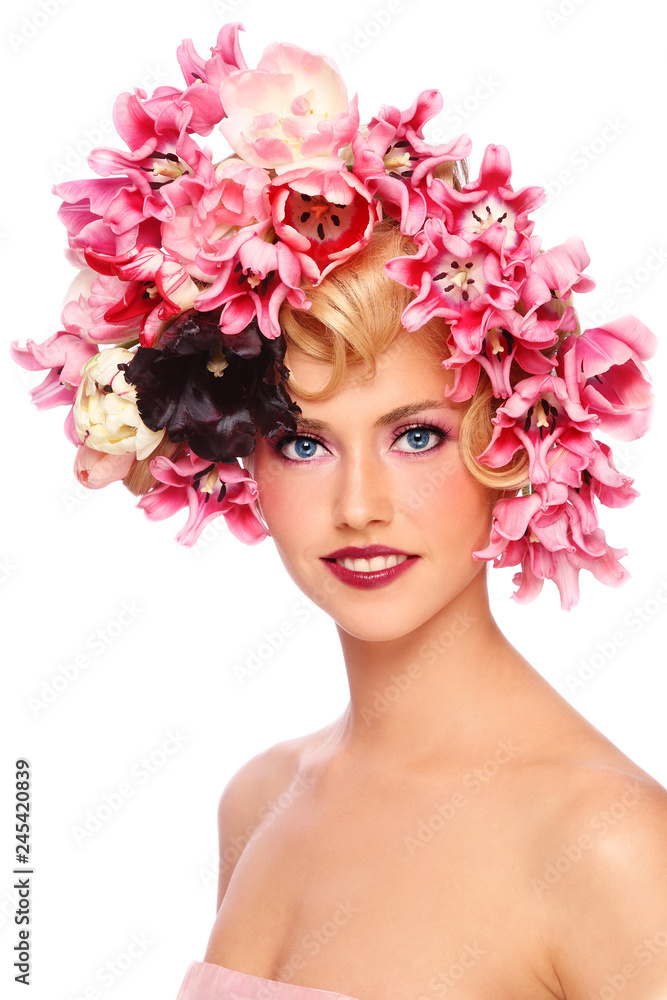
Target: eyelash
x=441 y=432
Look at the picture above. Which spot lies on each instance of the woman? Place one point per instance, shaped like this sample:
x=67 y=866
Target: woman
x=460 y=825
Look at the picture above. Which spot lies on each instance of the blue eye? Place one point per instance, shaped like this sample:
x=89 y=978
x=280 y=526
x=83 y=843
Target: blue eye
x=305 y=446
x=419 y=435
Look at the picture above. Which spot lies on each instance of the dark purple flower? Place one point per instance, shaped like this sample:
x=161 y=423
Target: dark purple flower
x=211 y=389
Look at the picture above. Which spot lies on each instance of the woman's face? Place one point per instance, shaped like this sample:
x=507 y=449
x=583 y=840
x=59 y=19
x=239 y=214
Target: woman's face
x=364 y=470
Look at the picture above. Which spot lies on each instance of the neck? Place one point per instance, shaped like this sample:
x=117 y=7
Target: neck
x=450 y=690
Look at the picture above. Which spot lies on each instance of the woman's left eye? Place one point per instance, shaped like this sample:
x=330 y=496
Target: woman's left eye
x=418 y=435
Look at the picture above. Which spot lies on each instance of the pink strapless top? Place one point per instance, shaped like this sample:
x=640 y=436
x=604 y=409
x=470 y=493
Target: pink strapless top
x=205 y=981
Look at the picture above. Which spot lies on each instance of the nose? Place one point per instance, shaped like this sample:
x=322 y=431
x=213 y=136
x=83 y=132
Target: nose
x=363 y=493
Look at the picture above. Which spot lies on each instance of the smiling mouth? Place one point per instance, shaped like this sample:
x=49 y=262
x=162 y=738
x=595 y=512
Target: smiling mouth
x=373 y=565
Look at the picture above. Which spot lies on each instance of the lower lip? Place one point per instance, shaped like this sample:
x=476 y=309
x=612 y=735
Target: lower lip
x=367 y=581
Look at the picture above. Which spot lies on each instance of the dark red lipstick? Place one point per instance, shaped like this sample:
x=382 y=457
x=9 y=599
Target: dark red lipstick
x=371 y=578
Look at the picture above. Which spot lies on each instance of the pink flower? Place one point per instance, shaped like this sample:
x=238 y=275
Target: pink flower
x=452 y=276
x=553 y=535
x=539 y=412
x=153 y=286
x=208 y=490
x=204 y=77
x=148 y=188
x=559 y=269
x=65 y=355
x=96 y=469
x=509 y=337
x=605 y=365
x=251 y=277
x=293 y=106
x=324 y=216
x=233 y=196
x=113 y=214
x=88 y=299
x=396 y=164
x=90 y=213
x=489 y=201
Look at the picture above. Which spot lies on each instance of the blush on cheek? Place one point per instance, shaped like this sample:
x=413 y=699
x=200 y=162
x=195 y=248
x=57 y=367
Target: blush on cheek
x=277 y=502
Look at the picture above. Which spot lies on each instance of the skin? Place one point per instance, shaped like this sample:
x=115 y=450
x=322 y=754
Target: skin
x=471 y=831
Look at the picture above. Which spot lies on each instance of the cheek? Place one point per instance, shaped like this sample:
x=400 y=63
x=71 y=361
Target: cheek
x=456 y=507
x=281 y=496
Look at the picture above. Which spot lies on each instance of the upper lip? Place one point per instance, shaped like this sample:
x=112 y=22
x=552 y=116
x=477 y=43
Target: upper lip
x=354 y=552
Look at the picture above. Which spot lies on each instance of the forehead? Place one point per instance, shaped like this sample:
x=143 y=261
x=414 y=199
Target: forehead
x=410 y=377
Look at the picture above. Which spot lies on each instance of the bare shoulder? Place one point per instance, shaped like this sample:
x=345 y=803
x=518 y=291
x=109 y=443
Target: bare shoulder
x=603 y=883
x=249 y=796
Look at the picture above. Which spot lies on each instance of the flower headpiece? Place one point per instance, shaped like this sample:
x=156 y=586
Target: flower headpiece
x=172 y=346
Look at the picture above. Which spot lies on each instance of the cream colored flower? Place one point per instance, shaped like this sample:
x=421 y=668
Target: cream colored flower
x=106 y=416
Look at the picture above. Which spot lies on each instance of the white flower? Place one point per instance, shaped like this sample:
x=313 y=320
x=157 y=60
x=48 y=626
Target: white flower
x=106 y=416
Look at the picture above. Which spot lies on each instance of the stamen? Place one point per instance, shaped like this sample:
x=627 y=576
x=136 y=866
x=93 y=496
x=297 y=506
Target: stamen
x=496 y=346
x=305 y=216
x=217 y=361
x=335 y=220
x=320 y=230
x=542 y=417
x=204 y=472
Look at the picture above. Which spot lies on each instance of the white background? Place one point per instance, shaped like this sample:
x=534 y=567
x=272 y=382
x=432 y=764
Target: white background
x=581 y=91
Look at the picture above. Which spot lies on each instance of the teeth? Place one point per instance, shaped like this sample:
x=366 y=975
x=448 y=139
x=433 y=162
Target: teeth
x=371 y=565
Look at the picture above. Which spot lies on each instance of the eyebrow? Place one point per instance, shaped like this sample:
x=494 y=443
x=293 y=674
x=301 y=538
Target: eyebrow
x=407 y=410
